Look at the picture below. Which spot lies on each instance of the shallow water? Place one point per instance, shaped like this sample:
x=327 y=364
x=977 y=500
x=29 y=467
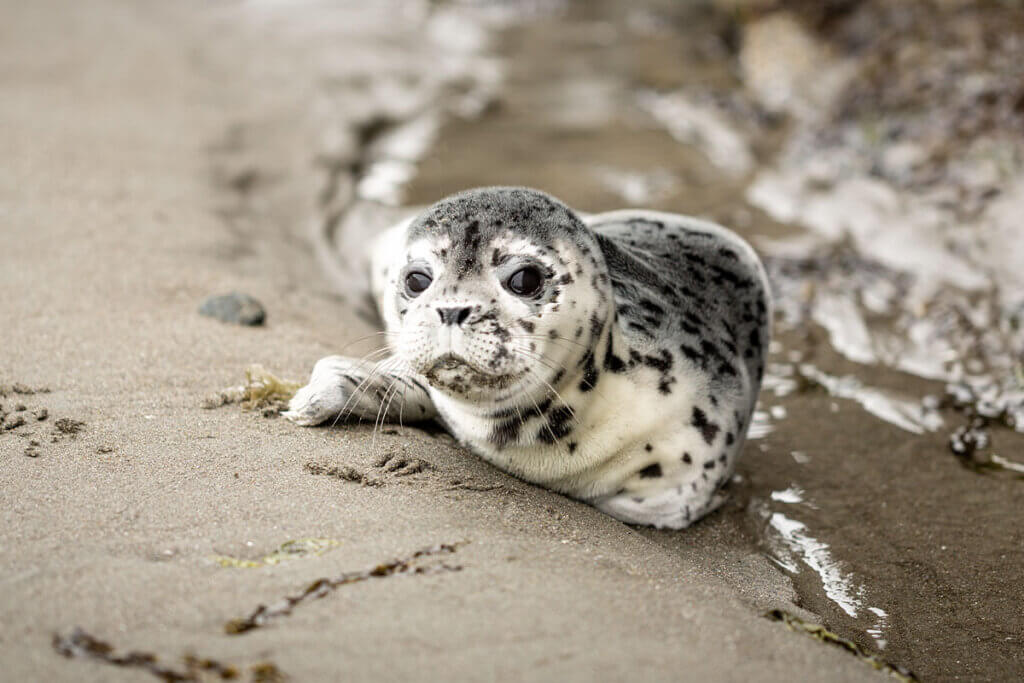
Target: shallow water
x=848 y=482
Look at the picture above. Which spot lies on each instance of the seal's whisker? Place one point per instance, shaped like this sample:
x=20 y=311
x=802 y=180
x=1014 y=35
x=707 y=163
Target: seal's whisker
x=595 y=388
x=549 y=364
x=549 y=338
x=572 y=412
x=384 y=333
x=372 y=356
x=382 y=411
x=363 y=387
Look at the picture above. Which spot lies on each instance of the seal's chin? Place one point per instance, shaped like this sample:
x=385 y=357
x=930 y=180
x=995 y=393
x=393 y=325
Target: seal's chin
x=458 y=375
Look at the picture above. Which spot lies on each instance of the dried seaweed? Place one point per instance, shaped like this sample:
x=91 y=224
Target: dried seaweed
x=322 y=587
x=819 y=632
x=79 y=644
x=262 y=391
x=290 y=550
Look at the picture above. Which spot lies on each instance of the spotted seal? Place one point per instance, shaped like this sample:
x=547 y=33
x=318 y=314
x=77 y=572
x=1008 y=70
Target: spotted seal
x=615 y=358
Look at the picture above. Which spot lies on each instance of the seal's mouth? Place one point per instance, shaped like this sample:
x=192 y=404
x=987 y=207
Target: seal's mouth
x=452 y=361
x=452 y=371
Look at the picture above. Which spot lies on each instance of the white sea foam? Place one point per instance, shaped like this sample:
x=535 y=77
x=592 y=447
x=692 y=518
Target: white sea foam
x=794 y=494
x=878 y=630
x=839 y=587
x=904 y=413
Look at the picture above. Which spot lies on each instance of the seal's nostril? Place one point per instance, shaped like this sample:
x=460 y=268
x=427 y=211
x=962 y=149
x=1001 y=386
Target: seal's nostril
x=454 y=316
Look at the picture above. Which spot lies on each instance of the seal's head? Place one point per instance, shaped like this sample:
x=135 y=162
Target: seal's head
x=502 y=294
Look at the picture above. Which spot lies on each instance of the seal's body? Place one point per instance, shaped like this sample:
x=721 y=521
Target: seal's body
x=615 y=358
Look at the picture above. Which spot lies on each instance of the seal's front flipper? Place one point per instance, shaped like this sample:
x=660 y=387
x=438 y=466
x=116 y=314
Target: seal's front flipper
x=340 y=388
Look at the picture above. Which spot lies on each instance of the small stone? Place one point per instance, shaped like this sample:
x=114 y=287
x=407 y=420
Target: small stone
x=20 y=388
x=66 y=425
x=14 y=421
x=236 y=307
x=105 y=449
x=20 y=407
x=41 y=414
x=32 y=452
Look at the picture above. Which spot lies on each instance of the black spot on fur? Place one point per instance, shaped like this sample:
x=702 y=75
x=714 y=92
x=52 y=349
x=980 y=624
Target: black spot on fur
x=651 y=471
x=558 y=425
x=707 y=428
x=691 y=353
x=649 y=305
x=505 y=432
x=687 y=459
x=612 y=363
x=590 y=373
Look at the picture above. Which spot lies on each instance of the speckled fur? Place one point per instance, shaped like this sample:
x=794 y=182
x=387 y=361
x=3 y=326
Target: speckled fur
x=628 y=381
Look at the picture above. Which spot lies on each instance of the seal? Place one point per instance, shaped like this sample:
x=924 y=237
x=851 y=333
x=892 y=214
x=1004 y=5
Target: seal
x=615 y=358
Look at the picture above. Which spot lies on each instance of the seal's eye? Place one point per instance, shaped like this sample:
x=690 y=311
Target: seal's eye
x=525 y=281
x=416 y=282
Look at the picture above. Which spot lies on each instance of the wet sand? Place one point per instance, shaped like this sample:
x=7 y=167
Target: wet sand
x=158 y=155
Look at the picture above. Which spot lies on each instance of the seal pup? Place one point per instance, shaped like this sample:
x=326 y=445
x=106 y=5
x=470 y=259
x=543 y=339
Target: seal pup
x=615 y=358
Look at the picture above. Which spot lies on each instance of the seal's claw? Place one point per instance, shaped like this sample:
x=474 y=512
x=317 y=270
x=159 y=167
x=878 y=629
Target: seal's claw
x=325 y=397
x=304 y=409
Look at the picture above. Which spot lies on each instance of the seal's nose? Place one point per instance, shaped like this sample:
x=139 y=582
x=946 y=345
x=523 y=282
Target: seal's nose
x=454 y=316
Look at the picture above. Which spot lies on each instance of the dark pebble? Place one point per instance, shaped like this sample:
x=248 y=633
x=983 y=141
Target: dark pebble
x=14 y=421
x=237 y=308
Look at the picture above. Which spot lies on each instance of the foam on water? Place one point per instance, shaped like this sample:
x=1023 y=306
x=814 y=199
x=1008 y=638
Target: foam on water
x=816 y=555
